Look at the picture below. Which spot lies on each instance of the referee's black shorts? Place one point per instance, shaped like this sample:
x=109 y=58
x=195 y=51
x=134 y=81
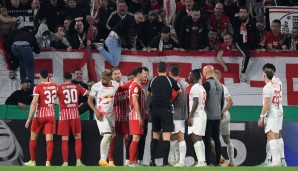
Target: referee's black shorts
x=162 y=119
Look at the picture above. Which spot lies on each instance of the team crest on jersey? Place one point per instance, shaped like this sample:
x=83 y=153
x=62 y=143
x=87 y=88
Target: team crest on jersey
x=136 y=90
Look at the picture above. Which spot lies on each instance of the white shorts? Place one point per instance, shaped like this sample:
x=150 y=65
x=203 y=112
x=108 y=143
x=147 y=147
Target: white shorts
x=199 y=125
x=107 y=124
x=281 y=120
x=272 y=124
x=179 y=126
x=225 y=124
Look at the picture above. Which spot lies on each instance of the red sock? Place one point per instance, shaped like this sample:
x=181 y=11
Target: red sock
x=65 y=150
x=32 y=148
x=111 y=151
x=50 y=147
x=78 y=148
x=133 y=150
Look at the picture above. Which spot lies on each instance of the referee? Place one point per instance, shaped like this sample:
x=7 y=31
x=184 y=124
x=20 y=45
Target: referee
x=213 y=107
x=160 y=88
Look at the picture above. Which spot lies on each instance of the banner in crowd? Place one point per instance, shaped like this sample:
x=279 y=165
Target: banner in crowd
x=248 y=139
x=288 y=17
x=25 y=17
x=244 y=93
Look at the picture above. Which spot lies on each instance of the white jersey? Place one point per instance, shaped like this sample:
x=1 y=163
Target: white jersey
x=277 y=81
x=272 y=90
x=197 y=91
x=104 y=96
x=226 y=94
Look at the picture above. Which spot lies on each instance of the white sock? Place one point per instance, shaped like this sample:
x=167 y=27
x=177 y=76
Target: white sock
x=268 y=153
x=104 y=146
x=203 y=150
x=182 y=151
x=198 y=146
x=230 y=150
x=274 y=148
x=282 y=149
x=172 y=151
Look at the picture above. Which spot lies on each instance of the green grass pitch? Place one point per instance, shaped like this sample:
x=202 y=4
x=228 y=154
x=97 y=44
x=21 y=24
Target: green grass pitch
x=97 y=168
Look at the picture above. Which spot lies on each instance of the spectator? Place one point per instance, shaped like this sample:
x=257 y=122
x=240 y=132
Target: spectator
x=35 y=6
x=153 y=25
x=13 y=5
x=213 y=106
x=291 y=43
x=59 y=40
x=185 y=11
x=23 y=44
x=72 y=11
x=274 y=38
x=163 y=41
x=76 y=34
x=7 y=23
x=152 y=5
x=104 y=13
x=43 y=37
x=120 y=35
x=93 y=9
x=262 y=37
x=245 y=37
x=209 y=7
x=193 y=34
x=230 y=9
x=25 y=4
x=85 y=106
x=226 y=46
x=134 y=44
x=66 y=24
x=219 y=21
x=21 y=97
x=49 y=13
x=78 y=79
x=119 y=14
x=134 y=5
x=214 y=41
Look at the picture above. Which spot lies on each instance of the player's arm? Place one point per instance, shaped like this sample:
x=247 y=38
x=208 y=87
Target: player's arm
x=136 y=106
x=229 y=104
x=193 y=110
x=92 y=106
x=175 y=86
x=264 y=111
x=32 y=109
x=125 y=86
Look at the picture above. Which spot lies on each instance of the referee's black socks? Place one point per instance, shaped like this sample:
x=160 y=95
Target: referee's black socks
x=165 y=150
x=153 y=147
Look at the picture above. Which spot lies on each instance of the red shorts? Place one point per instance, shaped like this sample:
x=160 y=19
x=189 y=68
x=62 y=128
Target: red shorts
x=48 y=124
x=135 y=128
x=121 y=128
x=65 y=125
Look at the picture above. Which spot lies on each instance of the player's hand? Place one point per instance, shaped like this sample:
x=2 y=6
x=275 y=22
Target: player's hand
x=98 y=115
x=141 y=121
x=261 y=122
x=221 y=115
x=190 y=121
x=27 y=123
x=22 y=105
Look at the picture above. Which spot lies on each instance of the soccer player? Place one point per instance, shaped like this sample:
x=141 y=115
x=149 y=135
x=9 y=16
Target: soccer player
x=121 y=110
x=44 y=96
x=197 y=116
x=103 y=92
x=225 y=121
x=270 y=115
x=180 y=115
x=69 y=118
x=160 y=88
x=137 y=111
x=276 y=80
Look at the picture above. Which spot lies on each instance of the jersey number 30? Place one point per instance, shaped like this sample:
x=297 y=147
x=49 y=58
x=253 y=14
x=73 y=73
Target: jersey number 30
x=71 y=96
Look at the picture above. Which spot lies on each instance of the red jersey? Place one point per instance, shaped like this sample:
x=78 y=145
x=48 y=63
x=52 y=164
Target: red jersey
x=224 y=47
x=135 y=89
x=68 y=94
x=220 y=25
x=276 y=41
x=47 y=93
x=121 y=106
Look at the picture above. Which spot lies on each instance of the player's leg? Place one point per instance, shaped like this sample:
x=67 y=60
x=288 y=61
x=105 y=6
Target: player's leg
x=272 y=131
x=105 y=131
x=281 y=142
x=230 y=148
x=133 y=149
x=173 y=144
x=182 y=148
x=111 y=151
x=63 y=130
x=156 y=128
x=35 y=129
x=167 y=124
x=76 y=128
x=49 y=130
x=142 y=142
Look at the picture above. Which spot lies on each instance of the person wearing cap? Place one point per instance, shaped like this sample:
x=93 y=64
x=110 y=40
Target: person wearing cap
x=134 y=44
x=21 y=97
x=23 y=42
x=163 y=41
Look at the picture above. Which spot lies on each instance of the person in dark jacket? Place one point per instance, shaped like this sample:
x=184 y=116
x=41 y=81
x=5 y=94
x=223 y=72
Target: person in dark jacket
x=245 y=37
x=120 y=35
x=193 y=33
x=23 y=44
x=76 y=34
x=21 y=97
x=153 y=25
x=163 y=41
x=185 y=11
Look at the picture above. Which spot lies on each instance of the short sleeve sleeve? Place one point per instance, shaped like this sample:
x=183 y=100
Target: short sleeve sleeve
x=266 y=91
x=93 y=91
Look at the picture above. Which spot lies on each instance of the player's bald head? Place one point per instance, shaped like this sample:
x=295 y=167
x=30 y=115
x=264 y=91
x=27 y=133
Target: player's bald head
x=208 y=69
